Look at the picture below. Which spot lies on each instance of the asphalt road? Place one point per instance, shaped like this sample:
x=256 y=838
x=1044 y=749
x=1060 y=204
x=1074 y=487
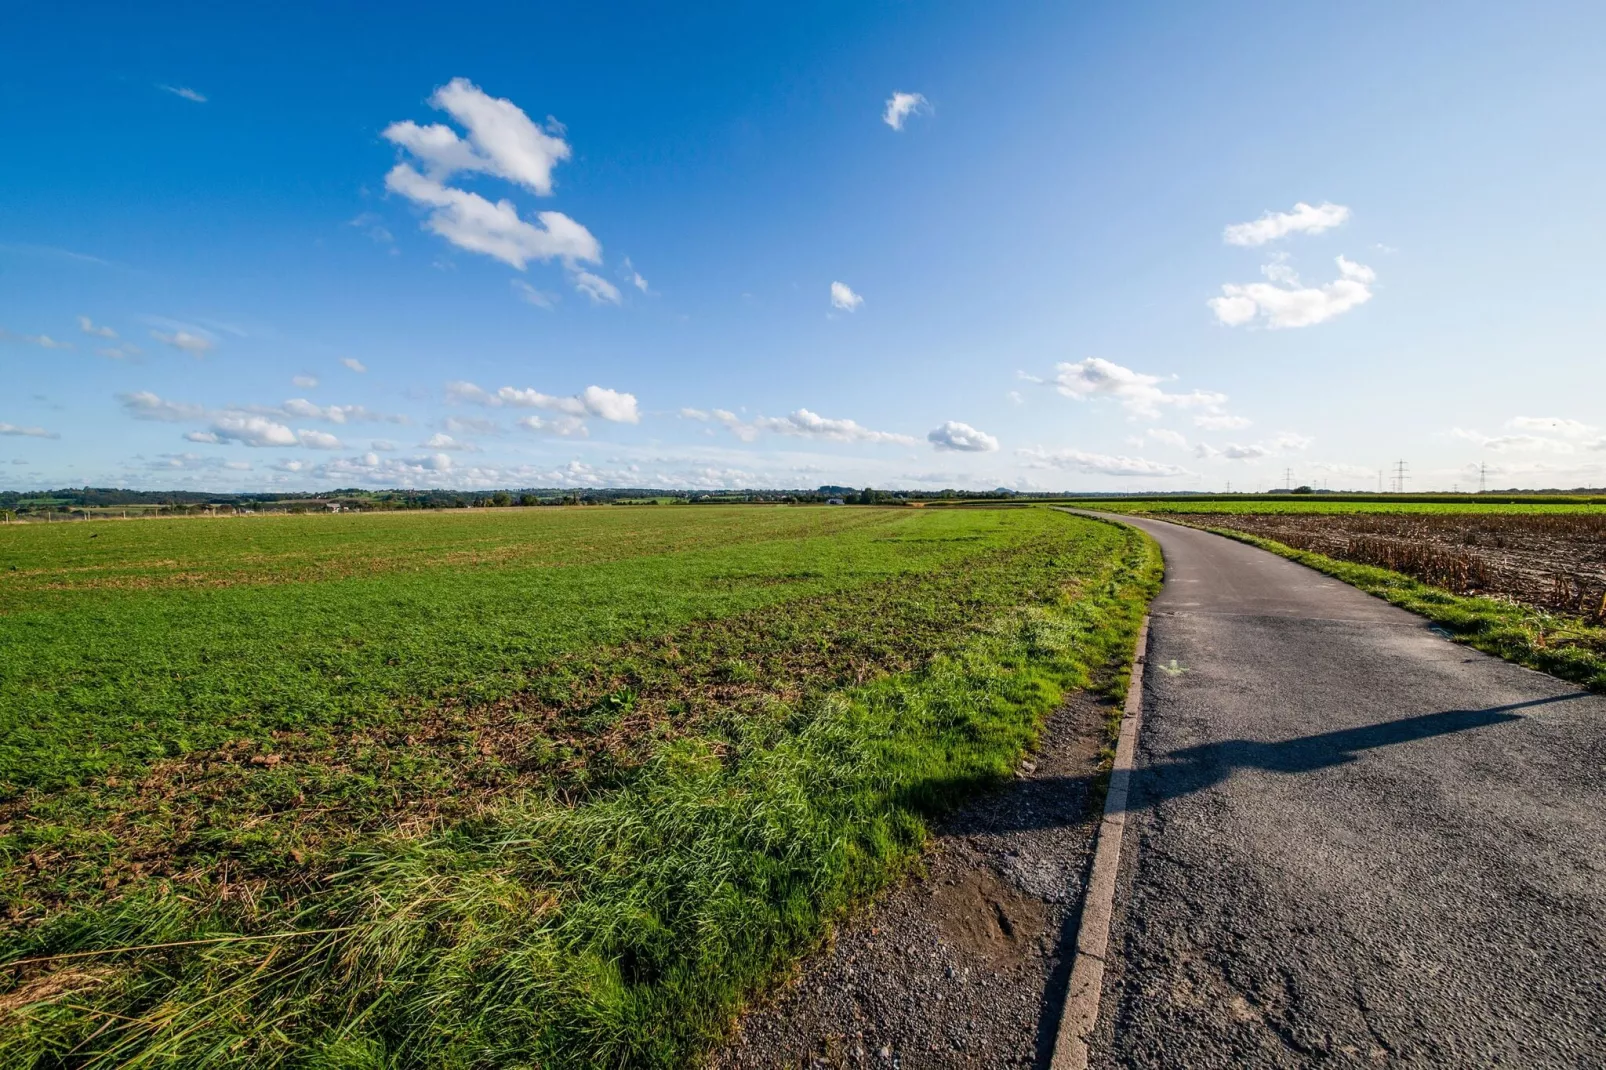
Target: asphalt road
x=1353 y=842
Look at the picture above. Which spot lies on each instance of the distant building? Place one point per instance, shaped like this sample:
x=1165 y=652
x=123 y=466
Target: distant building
x=836 y=501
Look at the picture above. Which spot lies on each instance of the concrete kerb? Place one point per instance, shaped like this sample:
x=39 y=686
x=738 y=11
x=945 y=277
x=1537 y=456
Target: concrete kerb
x=1081 y=1008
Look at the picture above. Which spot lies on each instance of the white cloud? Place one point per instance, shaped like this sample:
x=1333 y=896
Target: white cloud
x=305 y=382
x=610 y=404
x=811 y=425
x=117 y=353
x=194 y=343
x=1169 y=437
x=735 y=424
x=953 y=435
x=354 y=364
x=1140 y=394
x=250 y=430
x=559 y=425
x=303 y=409
x=462 y=390
x=599 y=289
x=1100 y=463
x=1281 y=443
x=502 y=139
x=901 y=105
x=144 y=405
x=192 y=462
x=1294 y=305
x=1304 y=219
x=1015 y=397
x=635 y=276
x=844 y=298
x=531 y=296
x=1554 y=425
x=383 y=444
x=1520 y=443
x=202 y=436
x=27 y=432
x=186 y=93
x=439 y=441
x=613 y=405
x=88 y=327
x=318 y=440
x=471 y=222
x=1220 y=422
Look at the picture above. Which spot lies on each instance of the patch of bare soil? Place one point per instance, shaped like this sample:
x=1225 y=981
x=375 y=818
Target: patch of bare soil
x=1555 y=562
x=964 y=965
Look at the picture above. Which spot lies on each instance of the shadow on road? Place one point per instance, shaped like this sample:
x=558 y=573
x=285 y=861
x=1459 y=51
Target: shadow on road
x=1192 y=769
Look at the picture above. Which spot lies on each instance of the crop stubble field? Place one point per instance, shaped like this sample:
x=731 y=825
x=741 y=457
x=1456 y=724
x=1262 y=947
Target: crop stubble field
x=511 y=787
x=1530 y=578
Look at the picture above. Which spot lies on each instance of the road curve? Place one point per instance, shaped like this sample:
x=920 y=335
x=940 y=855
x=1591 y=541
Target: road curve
x=1352 y=842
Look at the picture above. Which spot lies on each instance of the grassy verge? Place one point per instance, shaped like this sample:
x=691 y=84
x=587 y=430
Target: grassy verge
x=615 y=908
x=1559 y=646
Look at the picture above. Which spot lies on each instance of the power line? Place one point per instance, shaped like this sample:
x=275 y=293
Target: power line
x=1400 y=477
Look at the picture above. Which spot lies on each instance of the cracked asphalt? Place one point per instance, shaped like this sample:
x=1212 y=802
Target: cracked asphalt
x=1353 y=842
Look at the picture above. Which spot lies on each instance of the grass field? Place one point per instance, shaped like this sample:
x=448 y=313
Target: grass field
x=544 y=787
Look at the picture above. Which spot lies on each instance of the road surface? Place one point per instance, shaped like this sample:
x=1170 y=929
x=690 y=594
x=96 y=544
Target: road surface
x=1352 y=841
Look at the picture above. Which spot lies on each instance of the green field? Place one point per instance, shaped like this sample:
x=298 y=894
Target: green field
x=525 y=787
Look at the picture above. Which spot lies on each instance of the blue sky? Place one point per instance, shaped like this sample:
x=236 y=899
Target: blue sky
x=1140 y=246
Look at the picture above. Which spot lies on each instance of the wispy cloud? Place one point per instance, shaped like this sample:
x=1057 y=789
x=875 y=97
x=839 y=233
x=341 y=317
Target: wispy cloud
x=441 y=441
x=1103 y=464
x=185 y=92
x=27 y=432
x=901 y=105
x=195 y=343
x=808 y=424
x=531 y=296
x=354 y=364
x=43 y=341
x=144 y=405
x=599 y=289
x=86 y=325
x=1280 y=444
x=1304 y=219
x=601 y=402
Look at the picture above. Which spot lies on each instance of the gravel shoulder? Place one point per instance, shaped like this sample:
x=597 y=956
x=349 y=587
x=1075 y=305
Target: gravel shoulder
x=963 y=965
